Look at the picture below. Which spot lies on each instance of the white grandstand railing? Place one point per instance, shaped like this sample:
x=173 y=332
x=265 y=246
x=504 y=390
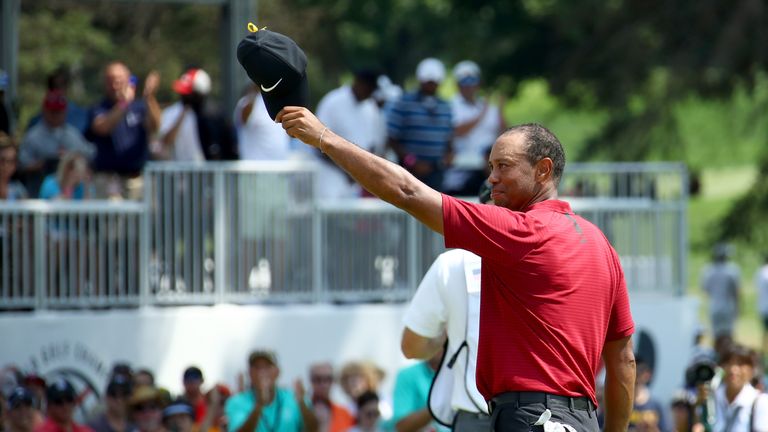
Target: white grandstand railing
x=254 y=233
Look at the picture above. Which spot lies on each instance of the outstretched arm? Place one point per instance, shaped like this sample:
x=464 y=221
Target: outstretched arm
x=378 y=176
x=619 y=383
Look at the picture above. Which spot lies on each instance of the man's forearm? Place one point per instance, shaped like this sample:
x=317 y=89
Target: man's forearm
x=619 y=387
x=310 y=420
x=386 y=180
x=414 y=421
x=154 y=113
x=252 y=421
x=103 y=124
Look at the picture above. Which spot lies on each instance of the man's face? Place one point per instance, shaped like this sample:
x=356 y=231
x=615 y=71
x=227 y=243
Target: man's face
x=61 y=409
x=117 y=403
x=429 y=88
x=116 y=79
x=368 y=415
x=7 y=162
x=192 y=386
x=512 y=177
x=737 y=373
x=179 y=423
x=468 y=91
x=54 y=119
x=321 y=378
x=148 y=416
x=263 y=371
x=22 y=417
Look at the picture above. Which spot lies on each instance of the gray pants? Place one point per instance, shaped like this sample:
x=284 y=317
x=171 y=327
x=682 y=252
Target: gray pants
x=471 y=422
x=518 y=411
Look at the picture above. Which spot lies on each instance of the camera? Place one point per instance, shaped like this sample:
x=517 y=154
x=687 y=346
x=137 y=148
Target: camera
x=699 y=372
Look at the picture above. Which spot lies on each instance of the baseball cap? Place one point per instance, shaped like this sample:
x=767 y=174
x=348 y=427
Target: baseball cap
x=19 y=396
x=430 y=69
x=193 y=373
x=60 y=390
x=119 y=385
x=278 y=66
x=267 y=355
x=193 y=81
x=55 y=101
x=178 y=407
x=467 y=73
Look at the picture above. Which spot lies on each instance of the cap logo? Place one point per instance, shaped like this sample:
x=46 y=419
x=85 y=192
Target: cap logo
x=269 y=89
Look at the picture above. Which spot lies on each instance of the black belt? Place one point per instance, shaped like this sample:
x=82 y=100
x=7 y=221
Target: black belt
x=473 y=415
x=528 y=398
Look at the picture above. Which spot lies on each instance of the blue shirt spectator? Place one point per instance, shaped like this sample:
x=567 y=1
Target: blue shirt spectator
x=126 y=149
x=420 y=127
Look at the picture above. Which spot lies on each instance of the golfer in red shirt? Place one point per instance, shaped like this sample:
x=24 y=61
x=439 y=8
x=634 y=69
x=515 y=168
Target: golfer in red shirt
x=554 y=300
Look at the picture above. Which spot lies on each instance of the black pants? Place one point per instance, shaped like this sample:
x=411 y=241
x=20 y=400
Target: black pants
x=471 y=422
x=518 y=411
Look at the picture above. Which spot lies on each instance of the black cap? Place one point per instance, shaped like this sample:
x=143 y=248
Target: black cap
x=119 y=385
x=60 y=390
x=19 y=396
x=193 y=373
x=278 y=66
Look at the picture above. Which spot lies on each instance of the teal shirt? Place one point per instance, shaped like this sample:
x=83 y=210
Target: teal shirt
x=283 y=414
x=411 y=392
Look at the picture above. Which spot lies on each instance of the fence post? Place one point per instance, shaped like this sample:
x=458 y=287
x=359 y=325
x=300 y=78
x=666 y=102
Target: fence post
x=41 y=296
x=144 y=253
x=414 y=252
x=220 y=235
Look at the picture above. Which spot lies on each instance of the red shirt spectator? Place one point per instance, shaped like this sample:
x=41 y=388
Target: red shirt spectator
x=61 y=397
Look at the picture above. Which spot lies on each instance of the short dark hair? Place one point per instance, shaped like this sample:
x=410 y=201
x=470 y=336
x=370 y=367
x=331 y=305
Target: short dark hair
x=368 y=77
x=741 y=354
x=542 y=143
x=366 y=397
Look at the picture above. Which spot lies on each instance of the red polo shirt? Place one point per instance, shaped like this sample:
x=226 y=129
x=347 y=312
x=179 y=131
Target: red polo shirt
x=553 y=293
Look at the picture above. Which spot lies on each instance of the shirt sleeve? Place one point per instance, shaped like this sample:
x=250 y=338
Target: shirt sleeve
x=620 y=324
x=494 y=233
x=426 y=314
x=76 y=142
x=50 y=188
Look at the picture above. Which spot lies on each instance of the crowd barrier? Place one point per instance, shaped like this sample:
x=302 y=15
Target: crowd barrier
x=248 y=232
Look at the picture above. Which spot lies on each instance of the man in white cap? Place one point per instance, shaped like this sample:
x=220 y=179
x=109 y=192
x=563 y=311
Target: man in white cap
x=476 y=124
x=420 y=127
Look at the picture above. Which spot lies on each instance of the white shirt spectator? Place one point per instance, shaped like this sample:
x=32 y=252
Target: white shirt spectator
x=360 y=122
x=186 y=146
x=735 y=417
x=470 y=148
x=761 y=283
x=440 y=304
x=260 y=138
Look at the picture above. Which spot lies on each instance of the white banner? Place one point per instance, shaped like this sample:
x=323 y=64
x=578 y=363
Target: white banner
x=83 y=345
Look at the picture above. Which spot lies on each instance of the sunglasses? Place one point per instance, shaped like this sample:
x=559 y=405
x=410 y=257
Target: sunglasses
x=146 y=407
x=321 y=378
x=374 y=413
x=61 y=401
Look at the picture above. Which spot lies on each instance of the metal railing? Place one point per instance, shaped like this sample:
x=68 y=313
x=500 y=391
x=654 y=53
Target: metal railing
x=253 y=233
x=70 y=254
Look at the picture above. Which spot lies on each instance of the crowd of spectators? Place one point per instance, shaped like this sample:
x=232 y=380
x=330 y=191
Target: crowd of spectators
x=349 y=398
x=105 y=147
